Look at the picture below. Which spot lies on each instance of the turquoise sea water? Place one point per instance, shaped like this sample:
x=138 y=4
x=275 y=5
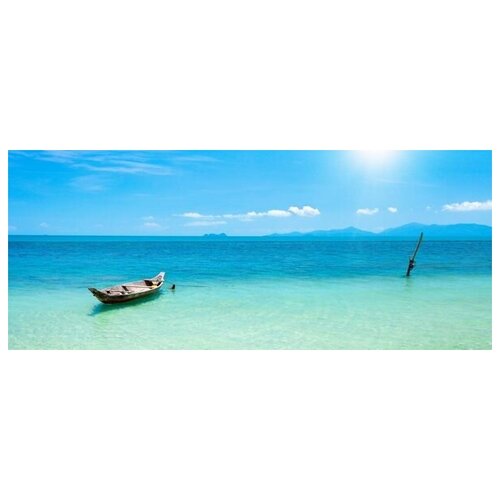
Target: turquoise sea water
x=250 y=294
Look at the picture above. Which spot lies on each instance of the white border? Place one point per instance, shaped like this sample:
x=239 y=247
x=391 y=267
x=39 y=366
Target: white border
x=235 y=75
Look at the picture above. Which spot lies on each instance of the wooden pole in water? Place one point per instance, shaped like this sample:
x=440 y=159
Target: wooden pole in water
x=411 y=263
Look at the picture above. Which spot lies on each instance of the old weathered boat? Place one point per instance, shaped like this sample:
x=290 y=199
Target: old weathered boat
x=129 y=291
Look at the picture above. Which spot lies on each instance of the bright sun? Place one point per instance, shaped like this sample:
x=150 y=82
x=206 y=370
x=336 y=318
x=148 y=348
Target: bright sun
x=376 y=156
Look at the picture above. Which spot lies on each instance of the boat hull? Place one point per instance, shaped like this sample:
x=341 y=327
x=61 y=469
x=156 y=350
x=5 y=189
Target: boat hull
x=118 y=294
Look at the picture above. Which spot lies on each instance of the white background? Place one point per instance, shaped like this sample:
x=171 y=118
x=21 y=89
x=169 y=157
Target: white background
x=243 y=424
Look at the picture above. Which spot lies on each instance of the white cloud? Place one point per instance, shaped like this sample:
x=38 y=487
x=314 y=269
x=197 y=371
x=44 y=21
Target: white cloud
x=467 y=206
x=52 y=156
x=195 y=215
x=103 y=161
x=44 y=225
x=305 y=211
x=269 y=213
x=393 y=210
x=195 y=159
x=88 y=183
x=277 y=213
x=206 y=223
x=128 y=167
x=150 y=222
x=367 y=211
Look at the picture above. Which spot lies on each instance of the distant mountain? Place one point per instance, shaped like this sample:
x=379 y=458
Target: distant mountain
x=408 y=231
x=348 y=232
x=453 y=231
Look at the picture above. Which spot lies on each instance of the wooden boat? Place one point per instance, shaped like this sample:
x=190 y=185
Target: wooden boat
x=129 y=291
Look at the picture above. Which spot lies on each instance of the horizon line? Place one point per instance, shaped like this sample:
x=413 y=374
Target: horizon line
x=255 y=235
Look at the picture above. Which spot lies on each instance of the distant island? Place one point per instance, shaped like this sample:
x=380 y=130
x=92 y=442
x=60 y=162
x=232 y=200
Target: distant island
x=408 y=231
x=214 y=236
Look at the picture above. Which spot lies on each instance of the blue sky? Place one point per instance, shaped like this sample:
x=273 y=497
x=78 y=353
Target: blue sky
x=243 y=192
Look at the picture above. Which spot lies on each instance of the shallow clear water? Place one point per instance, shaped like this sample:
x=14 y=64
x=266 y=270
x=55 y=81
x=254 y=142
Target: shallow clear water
x=250 y=294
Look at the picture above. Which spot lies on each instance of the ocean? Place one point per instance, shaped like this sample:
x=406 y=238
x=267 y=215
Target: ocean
x=244 y=293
